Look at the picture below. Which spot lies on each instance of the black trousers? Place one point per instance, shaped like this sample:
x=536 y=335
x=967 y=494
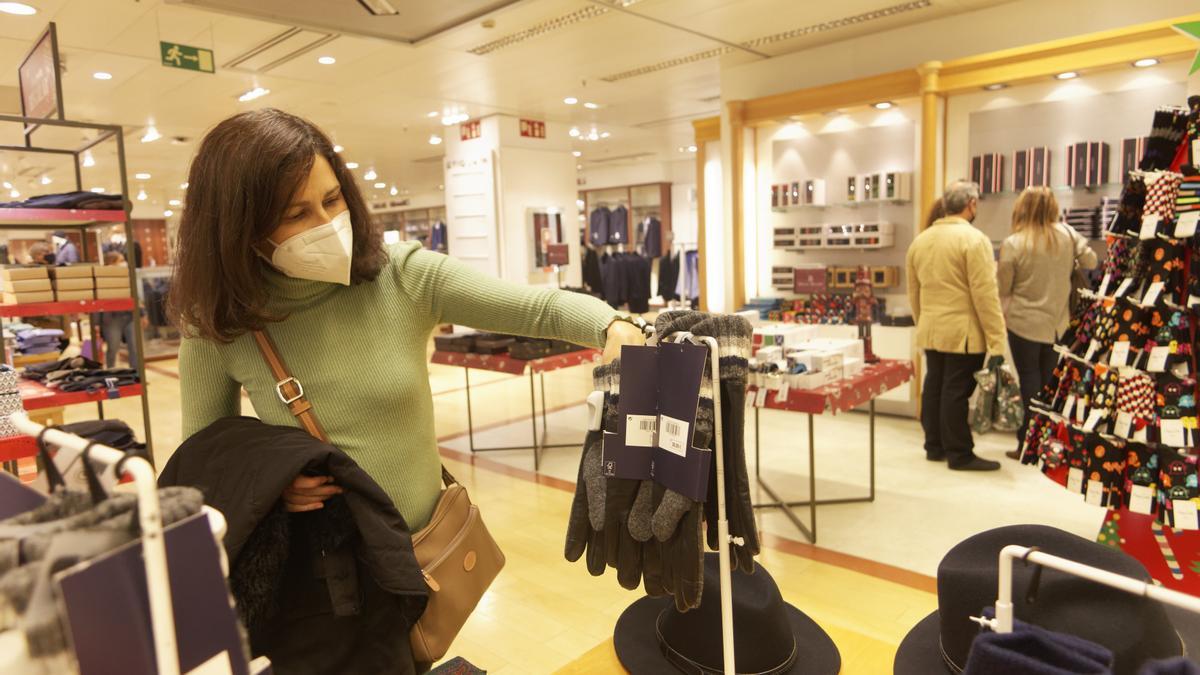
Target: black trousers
x=1035 y=365
x=949 y=383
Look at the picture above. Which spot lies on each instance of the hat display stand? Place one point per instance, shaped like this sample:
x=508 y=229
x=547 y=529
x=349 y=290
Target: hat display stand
x=1003 y=621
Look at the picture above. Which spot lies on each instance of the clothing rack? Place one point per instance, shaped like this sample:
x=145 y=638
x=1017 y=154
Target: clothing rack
x=723 y=538
x=1003 y=622
x=162 y=617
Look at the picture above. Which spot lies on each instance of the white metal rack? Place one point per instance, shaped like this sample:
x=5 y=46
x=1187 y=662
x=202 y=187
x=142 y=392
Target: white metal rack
x=1003 y=621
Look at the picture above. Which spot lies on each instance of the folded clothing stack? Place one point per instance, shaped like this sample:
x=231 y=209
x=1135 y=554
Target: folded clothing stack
x=70 y=200
x=39 y=341
x=1085 y=220
x=1189 y=195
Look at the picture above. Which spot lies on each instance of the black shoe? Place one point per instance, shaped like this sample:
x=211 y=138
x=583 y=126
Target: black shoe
x=1014 y=454
x=935 y=456
x=976 y=464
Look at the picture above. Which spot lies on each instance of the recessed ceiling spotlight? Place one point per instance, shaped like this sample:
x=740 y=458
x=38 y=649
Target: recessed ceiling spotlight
x=883 y=105
x=142 y=176
x=605 y=134
x=370 y=174
x=590 y=106
x=151 y=134
x=18 y=8
x=7 y=185
x=691 y=148
x=326 y=60
x=14 y=193
x=351 y=165
x=578 y=167
x=435 y=140
x=1145 y=63
x=183 y=185
x=174 y=202
x=168 y=213
x=577 y=153
x=98 y=190
x=1069 y=75
x=141 y=195
x=996 y=86
x=46 y=180
x=101 y=75
x=570 y=100
x=574 y=132
x=88 y=160
x=338 y=148
x=393 y=192
x=432 y=113
x=257 y=92
x=380 y=185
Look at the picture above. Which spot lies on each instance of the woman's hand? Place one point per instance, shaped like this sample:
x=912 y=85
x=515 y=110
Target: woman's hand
x=621 y=333
x=308 y=493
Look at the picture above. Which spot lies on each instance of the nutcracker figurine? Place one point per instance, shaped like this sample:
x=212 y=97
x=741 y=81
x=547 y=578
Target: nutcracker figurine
x=864 y=311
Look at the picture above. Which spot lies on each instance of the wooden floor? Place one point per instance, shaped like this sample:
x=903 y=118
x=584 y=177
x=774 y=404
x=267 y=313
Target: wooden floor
x=545 y=615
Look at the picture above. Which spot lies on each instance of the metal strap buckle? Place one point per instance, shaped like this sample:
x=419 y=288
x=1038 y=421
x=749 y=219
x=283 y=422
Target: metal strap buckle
x=283 y=397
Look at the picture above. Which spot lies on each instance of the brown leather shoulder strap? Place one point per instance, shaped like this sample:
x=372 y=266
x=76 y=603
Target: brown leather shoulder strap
x=287 y=387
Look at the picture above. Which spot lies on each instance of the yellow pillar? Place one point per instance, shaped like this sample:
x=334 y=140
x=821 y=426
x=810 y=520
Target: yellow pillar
x=930 y=129
x=737 y=121
x=701 y=153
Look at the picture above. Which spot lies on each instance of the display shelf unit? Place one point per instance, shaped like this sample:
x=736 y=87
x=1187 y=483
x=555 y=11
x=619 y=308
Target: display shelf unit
x=62 y=140
x=641 y=201
x=876 y=203
x=1061 y=189
x=412 y=224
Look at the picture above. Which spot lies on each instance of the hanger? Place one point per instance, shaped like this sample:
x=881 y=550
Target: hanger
x=54 y=478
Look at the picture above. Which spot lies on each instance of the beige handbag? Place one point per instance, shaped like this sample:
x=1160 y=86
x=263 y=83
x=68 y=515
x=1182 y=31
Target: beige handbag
x=457 y=554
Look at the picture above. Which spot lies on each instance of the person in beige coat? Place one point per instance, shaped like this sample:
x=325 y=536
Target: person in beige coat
x=956 y=305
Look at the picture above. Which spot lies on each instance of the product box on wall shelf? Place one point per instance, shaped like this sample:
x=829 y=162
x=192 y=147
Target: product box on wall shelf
x=112 y=293
x=64 y=296
x=988 y=171
x=814 y=192
x=887 y=276
x=1132 y=151
x=775 y=203
x=897 y=185
x=111 y=271
x=76 y=284
x=26 y=286
x=26 y=298
x=24 y=273
x=869 y=187
x=1087 y=164
x=781 y=278
x=810 y=279
x=785 y=237
x=1031 y=167
x=795 y=194
x=842 y=277
x=852 y=192
x=72 y=272
x=112 y=282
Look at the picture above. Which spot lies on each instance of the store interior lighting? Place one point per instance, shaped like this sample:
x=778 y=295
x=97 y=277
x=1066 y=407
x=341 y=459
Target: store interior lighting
x=88 y=159
x=591 y=106
x=98 y=190
x=141 y=195
x=257 y=92
x=576 y=153
x=996 y=86
x=142 y=176
x=691 y=148
x=7 y=185
x=168 y=213
x=573 y=133
x=1069 y=75
x=457 y=118
x=338 y=148
x=432 y=113
x=14 y=193
x=17 y=8
x=570 y=100
x=435 y=140
x=393 y=192
x=1145 y=63
x=326 y=60
x=884 y=105
x=351 y=165
x=370 y=174
x=174 y=202
x=183 y=186
x=380 y=185
x=101 y=75
x=151 y=134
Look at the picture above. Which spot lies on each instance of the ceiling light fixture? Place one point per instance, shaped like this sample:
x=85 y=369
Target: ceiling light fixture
x=257 y=92
x=141 y=195
x=380 y=185
x=578 y=167
x=88 y=160
x=593 y=136
x=101 y=75
x=326 y=60
x=370 y=174
x=98 y=190
x=174 y=202
x=691 y=148
x=351 y=165
x=435 y=140
x=883 y=105
x=168 y=213
x=46 y=180
x=432 y=113
x=7 y=185
x=393 y=192
x=183 y=186
x=15 y=193
x=605 y=134
x=574 y=132
x=996 y=86
x=151 y=134
x=591 y=106
x=1069 y=75
x=448 y=120
x=142 y=176
x=576 y=153
x=1145 y=63
x=18 y=8
x=570 y=100
x=338 y=148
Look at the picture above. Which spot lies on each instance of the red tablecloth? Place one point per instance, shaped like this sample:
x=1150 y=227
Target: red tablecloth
x=503 y=363
x=845 y=395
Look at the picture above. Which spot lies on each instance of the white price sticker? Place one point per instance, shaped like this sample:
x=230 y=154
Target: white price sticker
x=1119 y=357
x=1124 y=424
x=1158 y=359
x=1171 y=433
x=1103 y=290
x=1069 y=407
x=1093 y=346
x=760 y=399
x=1186 y=225
x=1093 y=419
x=1075 y=481
x=1095 y=493
x=781 y=396
x=1123 y=288
x=1185 y=514
x=1153 y=292
x=673 y=435
x=1141 y=499
x=1150 y=225
x=639 y=430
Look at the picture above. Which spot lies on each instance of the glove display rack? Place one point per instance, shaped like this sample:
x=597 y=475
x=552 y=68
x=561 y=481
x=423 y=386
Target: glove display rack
x=133 y=637
x=83 y=222
x=1117 y=424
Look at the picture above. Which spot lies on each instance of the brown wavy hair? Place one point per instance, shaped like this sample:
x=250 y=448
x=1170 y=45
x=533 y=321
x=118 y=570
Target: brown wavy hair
x=246 y=172
x=1036 y=214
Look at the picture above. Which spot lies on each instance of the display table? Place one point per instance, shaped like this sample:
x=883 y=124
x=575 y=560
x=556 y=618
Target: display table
x=503 y=363
x=842 y=396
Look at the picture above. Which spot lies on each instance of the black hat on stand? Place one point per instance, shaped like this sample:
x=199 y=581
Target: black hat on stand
x=1134 y=628
x=770 y=636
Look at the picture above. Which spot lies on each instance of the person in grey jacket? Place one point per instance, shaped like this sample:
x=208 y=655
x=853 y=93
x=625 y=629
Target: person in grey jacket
x=1034 y=276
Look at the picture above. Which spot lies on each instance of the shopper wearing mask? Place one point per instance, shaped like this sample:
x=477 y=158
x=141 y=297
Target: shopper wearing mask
x=1034 y=276
x=275 y=235
x=952 y=290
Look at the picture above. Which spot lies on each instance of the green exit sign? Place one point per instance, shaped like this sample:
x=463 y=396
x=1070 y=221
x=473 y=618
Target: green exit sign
x=175 y=55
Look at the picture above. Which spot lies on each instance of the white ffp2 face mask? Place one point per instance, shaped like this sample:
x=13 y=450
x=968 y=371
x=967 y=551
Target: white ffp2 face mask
x=320 y=254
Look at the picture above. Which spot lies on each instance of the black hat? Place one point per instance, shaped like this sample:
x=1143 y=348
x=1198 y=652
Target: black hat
x=769 y=635
x=1134 y=628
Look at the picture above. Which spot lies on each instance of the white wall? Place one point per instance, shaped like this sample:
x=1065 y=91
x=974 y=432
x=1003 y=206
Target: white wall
x=717 y=252
x=542 y=180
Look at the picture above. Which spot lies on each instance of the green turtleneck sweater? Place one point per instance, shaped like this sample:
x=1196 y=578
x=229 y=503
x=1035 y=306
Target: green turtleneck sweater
x=360 y=352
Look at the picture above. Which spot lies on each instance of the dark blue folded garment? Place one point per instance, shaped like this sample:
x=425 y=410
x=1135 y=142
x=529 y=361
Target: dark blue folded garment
x=39 y=333
x=1176 y=666
x=1031 y=650
x=70 y=200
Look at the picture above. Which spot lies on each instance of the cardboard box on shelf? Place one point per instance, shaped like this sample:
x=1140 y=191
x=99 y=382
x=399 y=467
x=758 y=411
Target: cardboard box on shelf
x=27 y=298
x=806 y=380
x=112 y=293
x=73 y=284
x=72 y=272
x=67 y=296
x=112 y=282
x=26 y=285
x=785 y=336
x=849 y=348
x=25 y=273
x=110 y=271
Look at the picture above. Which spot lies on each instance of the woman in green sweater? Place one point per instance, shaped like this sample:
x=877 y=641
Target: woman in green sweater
x=275 y=235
